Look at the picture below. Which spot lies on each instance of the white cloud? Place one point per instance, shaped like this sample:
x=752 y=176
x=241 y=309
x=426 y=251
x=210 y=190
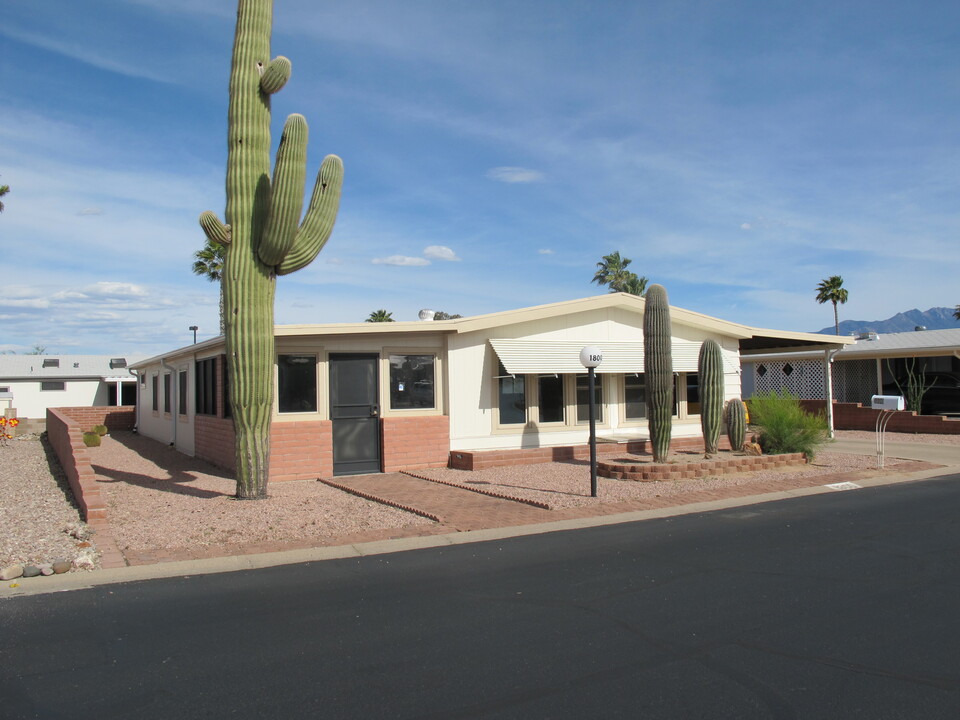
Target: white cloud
x=115 y=289
x=545 y=251
x=514 y=175
x=35 y=303
x=401 y=261
x=440 y=252
x=91 y=211
x=746 y=226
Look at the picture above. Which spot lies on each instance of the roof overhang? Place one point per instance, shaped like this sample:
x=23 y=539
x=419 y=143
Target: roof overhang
x=781 y=341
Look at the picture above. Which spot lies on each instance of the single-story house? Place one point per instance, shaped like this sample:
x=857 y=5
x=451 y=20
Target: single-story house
x=371 y=397
x=29 y=384
x=860 y=370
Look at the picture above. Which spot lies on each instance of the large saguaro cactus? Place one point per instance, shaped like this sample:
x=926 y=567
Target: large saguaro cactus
x=710 y=373
x=262 y=234
x=658 y=370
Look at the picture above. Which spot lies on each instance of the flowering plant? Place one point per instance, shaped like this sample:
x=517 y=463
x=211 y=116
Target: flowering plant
x=7 y=424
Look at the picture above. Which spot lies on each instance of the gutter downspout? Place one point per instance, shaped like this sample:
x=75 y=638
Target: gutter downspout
x=828 y=356
x=139 y=402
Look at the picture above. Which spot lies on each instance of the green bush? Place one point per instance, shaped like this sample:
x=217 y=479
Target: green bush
x=91 y=439
x=100 y=430
x=785 y=427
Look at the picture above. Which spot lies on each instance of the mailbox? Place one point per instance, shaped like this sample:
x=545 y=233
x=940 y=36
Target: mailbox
x=887 y=402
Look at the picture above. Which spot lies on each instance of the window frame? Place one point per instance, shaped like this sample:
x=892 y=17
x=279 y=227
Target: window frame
x=386 y=381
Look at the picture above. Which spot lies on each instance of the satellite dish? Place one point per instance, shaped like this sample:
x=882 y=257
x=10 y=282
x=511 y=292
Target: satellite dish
x=426 y=314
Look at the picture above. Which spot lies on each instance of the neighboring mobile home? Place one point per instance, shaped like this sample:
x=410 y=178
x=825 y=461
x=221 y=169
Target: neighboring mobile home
x=371 y=397
x=29 y=384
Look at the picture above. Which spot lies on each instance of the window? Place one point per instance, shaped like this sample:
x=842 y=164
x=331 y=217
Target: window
x=167 y=390
x=297 y=383
x=153 y=391
x=693 y=394
x=550 y=398
x=182 y=392
x=634 y=397
x=412 y=382
x=583 y=399
x=512 y=400
x=205 y=393
x=48 y=385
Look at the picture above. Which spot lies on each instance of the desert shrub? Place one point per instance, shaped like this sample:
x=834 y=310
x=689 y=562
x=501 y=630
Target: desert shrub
x=784 y=426
x=100 y=430
x=91 y=439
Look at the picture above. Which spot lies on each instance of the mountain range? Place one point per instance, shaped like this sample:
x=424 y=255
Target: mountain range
x=938 y=318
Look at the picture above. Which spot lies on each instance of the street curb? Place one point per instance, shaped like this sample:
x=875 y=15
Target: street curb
x=188 y=568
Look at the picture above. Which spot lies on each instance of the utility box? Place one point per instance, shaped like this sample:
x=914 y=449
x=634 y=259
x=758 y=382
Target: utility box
x=887 y=402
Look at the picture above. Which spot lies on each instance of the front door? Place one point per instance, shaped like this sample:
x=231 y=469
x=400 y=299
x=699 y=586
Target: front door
x=355 y=413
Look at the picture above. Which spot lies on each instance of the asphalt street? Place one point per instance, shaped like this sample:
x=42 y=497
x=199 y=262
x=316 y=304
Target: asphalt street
x=837 y=605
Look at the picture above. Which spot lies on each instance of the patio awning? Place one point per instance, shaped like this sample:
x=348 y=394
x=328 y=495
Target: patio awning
x=548 y=357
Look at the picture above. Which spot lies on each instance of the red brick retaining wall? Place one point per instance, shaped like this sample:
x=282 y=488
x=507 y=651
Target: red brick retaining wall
x=620 y=469
x=65 y=435
x=854 y=416
x=481 y=459
x=115 y=418
x=414 y=443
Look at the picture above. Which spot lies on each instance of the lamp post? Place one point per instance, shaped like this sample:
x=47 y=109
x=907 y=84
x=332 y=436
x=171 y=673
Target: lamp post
x=591 y=357
x=194 y=328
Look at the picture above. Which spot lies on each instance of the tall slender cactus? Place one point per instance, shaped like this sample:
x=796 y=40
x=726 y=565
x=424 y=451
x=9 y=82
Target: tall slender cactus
x=710 y=373
x=658 y=370
x=261 y=235
x=736 y=423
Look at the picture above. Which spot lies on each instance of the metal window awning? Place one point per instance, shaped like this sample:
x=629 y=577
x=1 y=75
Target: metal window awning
x=541 y=357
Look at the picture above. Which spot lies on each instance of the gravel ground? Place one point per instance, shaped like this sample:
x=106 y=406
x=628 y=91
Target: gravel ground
x=927 y=438
x=39 y=521
x=567 y=484
x=161 y=499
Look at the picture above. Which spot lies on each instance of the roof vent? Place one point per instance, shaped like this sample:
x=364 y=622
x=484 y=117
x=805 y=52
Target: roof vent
x=426 y=314
x=51 y=362
x=869 y=335
x=117 y=363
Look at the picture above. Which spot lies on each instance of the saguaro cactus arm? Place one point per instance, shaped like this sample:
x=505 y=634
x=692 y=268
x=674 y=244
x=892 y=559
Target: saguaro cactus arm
x=275 y=75
x=286 y=199
x=321 y=215
x=216 y=231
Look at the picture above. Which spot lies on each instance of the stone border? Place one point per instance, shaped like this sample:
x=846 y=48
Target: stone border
x=650 y=472
x=480 y=491
x=382 y=501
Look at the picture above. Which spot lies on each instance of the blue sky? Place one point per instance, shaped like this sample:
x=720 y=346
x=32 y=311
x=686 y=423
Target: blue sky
x=737 y=152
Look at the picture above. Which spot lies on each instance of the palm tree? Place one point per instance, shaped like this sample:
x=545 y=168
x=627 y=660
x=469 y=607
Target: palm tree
x=612 y=271
x=635 y=285
x=4 y=189
x=956 y=312
x=380 y=316
x=208 y=263
x=832 y=290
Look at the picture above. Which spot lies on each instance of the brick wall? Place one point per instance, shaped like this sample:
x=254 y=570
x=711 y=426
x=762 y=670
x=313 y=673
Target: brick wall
x=413 y=443
x=65 y=436
x=115 y=418
x=481 y=459
x=213 y=440
x=854 y=416
x=301 y=450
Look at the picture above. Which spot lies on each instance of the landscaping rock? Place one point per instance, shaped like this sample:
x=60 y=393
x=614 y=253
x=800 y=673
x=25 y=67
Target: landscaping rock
x=11 y=572
x=46 y=569
x=30 y=571
x=62 y=566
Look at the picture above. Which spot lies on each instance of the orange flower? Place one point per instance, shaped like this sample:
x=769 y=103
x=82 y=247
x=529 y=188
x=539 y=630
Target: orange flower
x=14 y=422
x=3 y=422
